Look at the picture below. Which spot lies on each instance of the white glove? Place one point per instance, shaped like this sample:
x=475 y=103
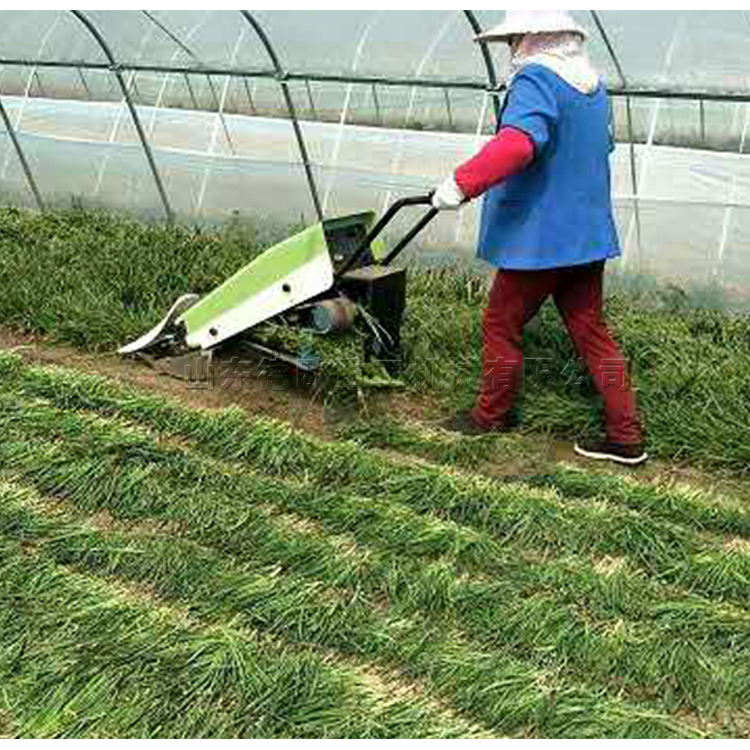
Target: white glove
x=448 y=195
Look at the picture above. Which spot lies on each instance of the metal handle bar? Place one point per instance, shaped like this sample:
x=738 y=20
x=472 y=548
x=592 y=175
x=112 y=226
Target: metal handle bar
x=409 y=236
x=382 y=223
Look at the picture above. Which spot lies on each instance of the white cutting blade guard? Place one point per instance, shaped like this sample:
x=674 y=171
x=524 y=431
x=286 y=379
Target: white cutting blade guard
x=151 y=337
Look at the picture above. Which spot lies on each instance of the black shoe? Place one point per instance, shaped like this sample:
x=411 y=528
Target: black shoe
x=628 y=454
x=464 y=424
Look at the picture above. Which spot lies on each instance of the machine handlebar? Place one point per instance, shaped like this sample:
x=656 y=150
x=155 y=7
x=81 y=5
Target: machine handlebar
x=382 y=223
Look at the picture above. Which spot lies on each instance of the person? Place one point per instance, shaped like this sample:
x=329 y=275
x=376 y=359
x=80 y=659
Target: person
x=547 y=224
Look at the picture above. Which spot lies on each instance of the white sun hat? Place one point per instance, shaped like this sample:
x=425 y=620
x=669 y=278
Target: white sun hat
x=532 y=22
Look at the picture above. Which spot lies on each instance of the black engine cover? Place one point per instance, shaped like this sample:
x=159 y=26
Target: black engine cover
x=381 y=290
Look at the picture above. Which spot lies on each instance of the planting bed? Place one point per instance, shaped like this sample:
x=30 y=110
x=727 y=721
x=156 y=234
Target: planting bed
x=95 y=280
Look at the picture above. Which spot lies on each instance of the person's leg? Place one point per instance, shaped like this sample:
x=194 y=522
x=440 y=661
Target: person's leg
x=515 y=297
x=579 y=299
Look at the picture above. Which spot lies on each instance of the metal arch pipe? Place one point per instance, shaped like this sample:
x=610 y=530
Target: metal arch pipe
x=610 y=49
x=281 y=77
x=21 y=157
x=489 y=64
x=114 y=68
x=629 y=116
x=457 y=84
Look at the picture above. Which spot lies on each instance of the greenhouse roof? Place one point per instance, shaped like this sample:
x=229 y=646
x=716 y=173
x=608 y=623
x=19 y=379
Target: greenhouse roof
x=678 y=52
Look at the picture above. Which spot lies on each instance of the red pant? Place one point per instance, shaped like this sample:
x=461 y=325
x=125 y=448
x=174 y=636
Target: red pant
x=515 y=298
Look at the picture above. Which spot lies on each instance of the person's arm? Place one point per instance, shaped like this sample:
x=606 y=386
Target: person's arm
x=508 y=153
x=527 y=125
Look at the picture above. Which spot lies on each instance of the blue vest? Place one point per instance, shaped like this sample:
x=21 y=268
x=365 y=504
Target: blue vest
x=558 y=211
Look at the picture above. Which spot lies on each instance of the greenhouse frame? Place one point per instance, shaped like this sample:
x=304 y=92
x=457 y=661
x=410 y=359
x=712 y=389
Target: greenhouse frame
x=205 y=115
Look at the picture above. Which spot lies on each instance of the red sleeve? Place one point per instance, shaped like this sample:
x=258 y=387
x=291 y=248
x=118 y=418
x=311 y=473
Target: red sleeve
x=508 y=153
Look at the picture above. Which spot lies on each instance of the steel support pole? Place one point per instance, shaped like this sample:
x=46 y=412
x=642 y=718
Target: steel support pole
x=311 y=101
x=459 y=84
x=448 y=108
x=488 y=63
x=629 y=118
x=376 y=102
x=21 y=156
x=39 y=84
x=84 y=83
x=249 y=94
x=281 y=77
x=114 y=68
x=189 y=87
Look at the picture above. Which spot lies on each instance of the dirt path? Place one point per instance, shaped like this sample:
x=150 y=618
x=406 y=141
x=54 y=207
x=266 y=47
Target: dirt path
x=297 y=404
x=298 y=407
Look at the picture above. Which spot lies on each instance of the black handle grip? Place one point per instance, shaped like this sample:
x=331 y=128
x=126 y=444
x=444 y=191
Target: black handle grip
x=382 y=223
x=415 y=200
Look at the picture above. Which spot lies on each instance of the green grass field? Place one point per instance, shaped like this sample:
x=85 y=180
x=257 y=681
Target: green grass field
x=178 y=572
x=167 y=571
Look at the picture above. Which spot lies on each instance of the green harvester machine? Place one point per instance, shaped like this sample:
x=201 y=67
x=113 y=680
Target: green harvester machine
x=333 y=275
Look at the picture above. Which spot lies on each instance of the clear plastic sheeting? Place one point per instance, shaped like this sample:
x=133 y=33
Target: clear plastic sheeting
x=684 y=49
x=204 y=115
x=46 y=34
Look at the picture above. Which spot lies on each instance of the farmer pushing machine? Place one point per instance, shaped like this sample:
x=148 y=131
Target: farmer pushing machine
x=547 y=224
x=547 y=227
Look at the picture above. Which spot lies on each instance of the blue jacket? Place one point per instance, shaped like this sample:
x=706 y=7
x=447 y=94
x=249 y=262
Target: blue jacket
x=558 y=211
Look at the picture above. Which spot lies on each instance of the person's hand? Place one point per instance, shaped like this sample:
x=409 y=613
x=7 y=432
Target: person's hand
x=448 y=195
